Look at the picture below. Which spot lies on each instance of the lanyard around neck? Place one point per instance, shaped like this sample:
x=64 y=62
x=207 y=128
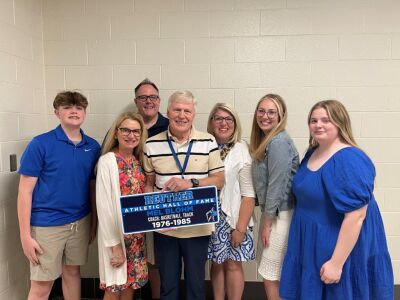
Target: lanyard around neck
x=175 y=155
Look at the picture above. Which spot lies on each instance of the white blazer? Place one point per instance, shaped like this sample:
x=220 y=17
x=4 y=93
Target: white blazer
x=110 y=219
x=238 y=182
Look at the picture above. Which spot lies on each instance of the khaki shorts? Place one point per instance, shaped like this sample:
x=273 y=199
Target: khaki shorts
x=62 y=245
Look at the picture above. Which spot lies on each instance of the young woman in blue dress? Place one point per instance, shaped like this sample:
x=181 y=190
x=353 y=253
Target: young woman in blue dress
x=337 y=247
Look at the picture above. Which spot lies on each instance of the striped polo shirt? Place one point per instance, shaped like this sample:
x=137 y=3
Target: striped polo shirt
x=204 y=160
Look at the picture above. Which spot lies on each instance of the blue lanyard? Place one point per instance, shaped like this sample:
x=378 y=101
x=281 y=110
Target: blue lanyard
x=178 y=163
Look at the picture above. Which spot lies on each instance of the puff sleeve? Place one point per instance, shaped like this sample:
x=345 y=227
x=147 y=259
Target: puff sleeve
x=348 y=179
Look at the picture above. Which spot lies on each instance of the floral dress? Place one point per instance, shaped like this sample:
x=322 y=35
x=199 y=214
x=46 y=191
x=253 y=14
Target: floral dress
x=132 y=181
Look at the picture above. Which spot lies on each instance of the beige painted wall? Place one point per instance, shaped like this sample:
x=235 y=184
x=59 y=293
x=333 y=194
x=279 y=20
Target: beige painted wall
x=22 y=115
x=222 y=50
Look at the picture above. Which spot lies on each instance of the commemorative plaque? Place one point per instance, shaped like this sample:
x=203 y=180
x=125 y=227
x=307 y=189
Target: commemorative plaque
x=163 y=210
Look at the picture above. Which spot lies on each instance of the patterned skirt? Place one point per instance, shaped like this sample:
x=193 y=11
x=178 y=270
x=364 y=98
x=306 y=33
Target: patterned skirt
x=136 y=264
x=221 y=249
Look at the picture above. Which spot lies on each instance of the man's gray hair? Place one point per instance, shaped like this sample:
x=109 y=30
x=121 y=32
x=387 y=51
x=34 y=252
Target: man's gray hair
x=183 y=97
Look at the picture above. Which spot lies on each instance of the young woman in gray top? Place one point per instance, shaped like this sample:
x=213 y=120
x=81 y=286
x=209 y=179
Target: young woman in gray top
x=275 y=161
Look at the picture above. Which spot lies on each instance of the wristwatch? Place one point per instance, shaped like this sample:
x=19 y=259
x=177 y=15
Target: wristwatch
x=195 y=182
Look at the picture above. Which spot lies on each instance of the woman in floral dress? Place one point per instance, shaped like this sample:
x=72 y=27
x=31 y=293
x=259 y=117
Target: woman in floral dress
x=122 y=258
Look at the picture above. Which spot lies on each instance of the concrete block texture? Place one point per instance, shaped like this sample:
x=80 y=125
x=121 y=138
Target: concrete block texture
x=7 y=11
x=127 y=77
x=8 y=68
x=156 y=51
x=311 y=48
x=143 y=6
x=365 y=46
x=231 y=51
x=8 y=127
x=144 y=25
x=88 y=77
x=184 y=24
x=108 y=8
x=64 y=53
x=185 y=76
x=235 y=75
x=236 y=23
x=209 y=50
x=260 y=49
x=111 y=52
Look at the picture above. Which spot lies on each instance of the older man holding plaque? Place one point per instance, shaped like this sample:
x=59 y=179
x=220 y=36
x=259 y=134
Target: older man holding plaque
x=178 y=159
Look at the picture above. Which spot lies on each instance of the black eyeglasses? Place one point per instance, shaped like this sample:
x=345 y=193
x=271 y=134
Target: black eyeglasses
x=126 y=131
x=219 y=120
x=270 y=113
x=144 y=98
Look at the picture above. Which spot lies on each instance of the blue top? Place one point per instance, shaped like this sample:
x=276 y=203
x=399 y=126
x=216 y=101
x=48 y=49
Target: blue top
x=160 y=126
x=64 y=170
x=343 y=184
x=272 y=177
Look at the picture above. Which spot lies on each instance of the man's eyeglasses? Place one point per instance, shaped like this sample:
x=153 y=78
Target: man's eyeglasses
x=219 y=120
x=144 y=98
x=126 y=131
x=270 y=113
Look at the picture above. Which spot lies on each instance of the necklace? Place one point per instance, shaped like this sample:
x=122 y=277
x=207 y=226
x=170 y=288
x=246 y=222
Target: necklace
x=127 y=160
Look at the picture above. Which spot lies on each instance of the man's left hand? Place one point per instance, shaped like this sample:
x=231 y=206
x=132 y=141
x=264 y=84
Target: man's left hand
x=177 y=184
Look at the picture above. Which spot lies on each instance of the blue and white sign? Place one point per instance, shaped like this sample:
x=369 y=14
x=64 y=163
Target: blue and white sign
x=162 y=210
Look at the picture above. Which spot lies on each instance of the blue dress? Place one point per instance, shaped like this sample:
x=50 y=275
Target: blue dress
x=343 y=184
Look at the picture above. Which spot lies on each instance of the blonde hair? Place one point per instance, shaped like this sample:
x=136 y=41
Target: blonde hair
x=182 y=97
x=110 y=142
x=237 y=132
x=339 y=116
x=258 y=139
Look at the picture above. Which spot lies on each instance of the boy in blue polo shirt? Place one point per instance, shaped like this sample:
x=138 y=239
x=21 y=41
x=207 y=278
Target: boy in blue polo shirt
x=55 y=200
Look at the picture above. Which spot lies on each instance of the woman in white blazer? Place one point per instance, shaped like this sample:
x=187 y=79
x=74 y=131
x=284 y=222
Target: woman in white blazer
x=122 y=258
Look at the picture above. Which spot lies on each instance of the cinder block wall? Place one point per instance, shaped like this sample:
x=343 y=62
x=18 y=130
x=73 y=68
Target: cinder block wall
x=222 y=50
x=22 y=115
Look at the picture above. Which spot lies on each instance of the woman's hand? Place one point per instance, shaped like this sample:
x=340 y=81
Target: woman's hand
x=118 y=256
x=237 y=237
x=330 y=272
x=266 y=231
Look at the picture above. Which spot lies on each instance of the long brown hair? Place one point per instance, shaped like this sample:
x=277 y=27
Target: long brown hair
x=258 y=139
x=339 y=116
x=110 y=143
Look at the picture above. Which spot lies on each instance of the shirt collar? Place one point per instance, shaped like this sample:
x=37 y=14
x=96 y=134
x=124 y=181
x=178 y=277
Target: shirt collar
x=191 y=135
x=60 y=134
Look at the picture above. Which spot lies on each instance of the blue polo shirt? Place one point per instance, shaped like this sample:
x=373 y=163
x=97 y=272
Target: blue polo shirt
x=64 y=171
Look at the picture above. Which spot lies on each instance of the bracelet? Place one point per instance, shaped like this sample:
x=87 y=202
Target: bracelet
x=240 y=231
